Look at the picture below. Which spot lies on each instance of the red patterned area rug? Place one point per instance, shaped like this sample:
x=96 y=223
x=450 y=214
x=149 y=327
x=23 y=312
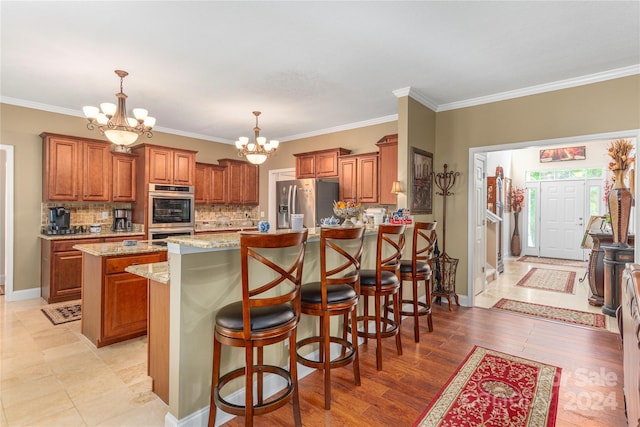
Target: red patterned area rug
x=567 y=315
x=549 y=280
x=494 y=389
x=553 y=261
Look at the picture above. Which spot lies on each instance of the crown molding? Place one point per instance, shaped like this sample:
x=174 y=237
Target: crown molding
x=356 y=125
x=547 y=87
x=418 y=96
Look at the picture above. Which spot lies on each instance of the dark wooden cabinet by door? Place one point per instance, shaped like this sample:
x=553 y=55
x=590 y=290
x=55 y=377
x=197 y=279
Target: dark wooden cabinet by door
x=359 y=178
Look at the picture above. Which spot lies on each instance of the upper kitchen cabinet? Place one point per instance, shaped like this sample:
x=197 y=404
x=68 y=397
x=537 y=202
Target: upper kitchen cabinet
x=210 y=184
x=388 y=167
x=165 y=165
x=319 y=164
x=75 y=169
x=358 y=176
x=124 y=178
x=242 y=182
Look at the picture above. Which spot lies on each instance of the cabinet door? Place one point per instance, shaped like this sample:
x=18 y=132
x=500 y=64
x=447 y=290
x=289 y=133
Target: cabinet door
x=160 y=165
x=125 y=310
x=218 y=186
x=234 y=183
x=250 y=184
x=62 y=167
x=348 y=179
x=388 y=172
x=305 y=166
x=66 y=277
x=124 y=178
x=96 y=172
x=367 y=179
x=327 y=165
x=184 y=168
x=202 y=188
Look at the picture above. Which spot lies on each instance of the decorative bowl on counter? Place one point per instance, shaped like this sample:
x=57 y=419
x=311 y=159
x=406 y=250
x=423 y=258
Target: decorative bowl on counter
x=347 y=210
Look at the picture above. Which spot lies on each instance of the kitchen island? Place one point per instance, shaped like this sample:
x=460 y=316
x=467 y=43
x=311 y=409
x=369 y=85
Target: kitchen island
x=114 y=302
x=205 y=275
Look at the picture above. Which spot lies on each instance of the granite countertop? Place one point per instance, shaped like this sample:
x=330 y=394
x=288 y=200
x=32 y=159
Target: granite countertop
x=79 y=236
x=118 y=248
x=232 y=240
x=157 y=271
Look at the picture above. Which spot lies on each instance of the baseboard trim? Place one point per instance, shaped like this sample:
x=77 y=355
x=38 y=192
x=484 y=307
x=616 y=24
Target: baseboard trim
x=23 y=294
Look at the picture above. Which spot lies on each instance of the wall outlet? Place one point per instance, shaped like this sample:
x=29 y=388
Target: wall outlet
x=105 y=215
x=261 y=214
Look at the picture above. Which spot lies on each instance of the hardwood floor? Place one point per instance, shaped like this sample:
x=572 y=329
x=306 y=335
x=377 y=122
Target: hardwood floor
x=591 y=361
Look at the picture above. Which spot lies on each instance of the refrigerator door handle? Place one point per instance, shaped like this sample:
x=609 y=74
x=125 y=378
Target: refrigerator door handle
x=289 y=205
x=295 y=194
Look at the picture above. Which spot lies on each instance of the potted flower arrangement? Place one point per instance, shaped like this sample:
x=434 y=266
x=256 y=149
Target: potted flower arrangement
x=517 y=203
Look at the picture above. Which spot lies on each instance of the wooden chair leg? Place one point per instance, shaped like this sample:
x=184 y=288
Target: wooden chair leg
x=396 y=300
x=366 y=319
x=416 y=316
x=215 y=375
x=260 y=389
x=327 y=362
x=378 y=333
x=293 y=370
x=427 y=286
x=248 y=401
x=354 y=339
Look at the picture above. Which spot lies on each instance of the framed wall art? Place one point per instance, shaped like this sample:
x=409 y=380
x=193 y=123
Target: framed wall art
x=562 y=154
x=421 y=181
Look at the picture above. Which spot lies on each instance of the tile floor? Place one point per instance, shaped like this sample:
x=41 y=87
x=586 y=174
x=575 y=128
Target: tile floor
x=53 y=376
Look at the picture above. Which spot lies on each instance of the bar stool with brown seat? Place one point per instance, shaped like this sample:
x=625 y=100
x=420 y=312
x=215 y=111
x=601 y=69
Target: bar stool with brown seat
x=268 y=313
x=418 y=269
x=384 y=281
x=336 y=294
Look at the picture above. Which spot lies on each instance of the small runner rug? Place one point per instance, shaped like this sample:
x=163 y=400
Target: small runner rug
x=549 y=280
x=567 y=315
x=63 y=312
x=494 y=389
x=553 y=261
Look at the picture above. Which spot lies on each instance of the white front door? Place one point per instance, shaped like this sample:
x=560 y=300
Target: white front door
x=479 y=238
x=562 y=219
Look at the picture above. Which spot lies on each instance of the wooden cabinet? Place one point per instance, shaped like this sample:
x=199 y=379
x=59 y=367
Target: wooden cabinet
x=124 y=178
x=114 y=302
x=75 y=169
x=61 y=267
x=358 y=176
x=319 y=164
x=388 y=168
x=210 y=183
x=242 y=182
x=165 y=165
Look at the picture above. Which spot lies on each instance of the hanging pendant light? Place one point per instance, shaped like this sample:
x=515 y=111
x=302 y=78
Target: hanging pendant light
x=259 y=149
x=112 y=121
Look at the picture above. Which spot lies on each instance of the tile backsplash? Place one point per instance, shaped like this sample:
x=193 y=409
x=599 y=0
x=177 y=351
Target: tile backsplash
x=84 y=213
x=236 y=213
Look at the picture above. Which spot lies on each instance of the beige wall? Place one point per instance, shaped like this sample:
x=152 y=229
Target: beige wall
x=608 y=106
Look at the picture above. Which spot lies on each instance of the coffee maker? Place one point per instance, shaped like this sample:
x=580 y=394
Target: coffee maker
x=122 y=220
x=59 y=220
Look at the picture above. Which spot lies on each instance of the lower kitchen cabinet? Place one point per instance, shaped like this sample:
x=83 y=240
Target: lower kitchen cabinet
x=114 y=302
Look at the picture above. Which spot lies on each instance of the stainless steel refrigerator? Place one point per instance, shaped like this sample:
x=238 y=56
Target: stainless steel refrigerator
x=312 y=197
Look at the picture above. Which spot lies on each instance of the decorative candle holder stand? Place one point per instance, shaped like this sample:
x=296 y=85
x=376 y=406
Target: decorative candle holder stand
x=444 y=285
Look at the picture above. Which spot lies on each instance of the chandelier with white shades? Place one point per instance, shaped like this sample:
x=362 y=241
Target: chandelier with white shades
x=113 y=122
x=257 y=150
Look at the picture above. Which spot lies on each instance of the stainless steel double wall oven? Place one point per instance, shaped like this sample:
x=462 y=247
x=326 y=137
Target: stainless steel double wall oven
x=171 y=211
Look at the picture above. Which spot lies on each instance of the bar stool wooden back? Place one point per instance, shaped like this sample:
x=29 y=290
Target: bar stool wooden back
x=384 y=281
x=418 y=269
x=337 y=293
x=268 y=313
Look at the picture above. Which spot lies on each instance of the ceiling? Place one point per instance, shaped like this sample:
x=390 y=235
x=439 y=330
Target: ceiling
x=201 y=68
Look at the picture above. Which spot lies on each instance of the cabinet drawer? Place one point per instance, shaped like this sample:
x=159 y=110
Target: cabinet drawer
x=117 y=265
x=67 y=245
x=122 y=239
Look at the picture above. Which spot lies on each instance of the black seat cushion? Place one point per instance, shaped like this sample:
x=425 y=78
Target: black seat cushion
x=368 y=278
x=230 y=316
x=312 y=293
x=421 y=267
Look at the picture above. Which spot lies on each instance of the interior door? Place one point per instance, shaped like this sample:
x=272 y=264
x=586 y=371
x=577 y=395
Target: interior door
x=562 y=219
x=479 y=238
